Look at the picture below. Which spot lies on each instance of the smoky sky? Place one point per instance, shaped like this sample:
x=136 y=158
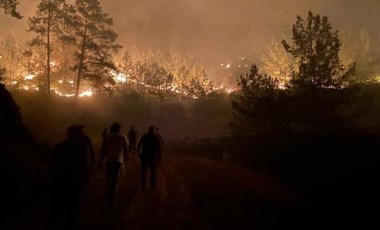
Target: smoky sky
x=215 y=31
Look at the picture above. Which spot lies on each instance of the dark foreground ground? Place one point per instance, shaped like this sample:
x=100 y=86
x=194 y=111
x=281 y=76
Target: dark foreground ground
x=192 y=194
x=290 y=181
x=294 y=181
x=337 y=173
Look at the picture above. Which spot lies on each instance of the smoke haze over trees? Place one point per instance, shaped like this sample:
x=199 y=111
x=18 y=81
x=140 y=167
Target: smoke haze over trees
x=226 y=28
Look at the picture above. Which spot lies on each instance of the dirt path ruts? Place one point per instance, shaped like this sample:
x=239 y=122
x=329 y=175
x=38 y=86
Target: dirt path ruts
x=202 y=194
x=167 y=207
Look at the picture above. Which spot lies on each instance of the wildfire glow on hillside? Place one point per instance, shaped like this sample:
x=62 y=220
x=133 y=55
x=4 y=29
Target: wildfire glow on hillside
x=120 y=80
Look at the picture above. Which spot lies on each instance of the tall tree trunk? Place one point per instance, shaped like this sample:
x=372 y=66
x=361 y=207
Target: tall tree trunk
x=81 y=61
x=48 y=70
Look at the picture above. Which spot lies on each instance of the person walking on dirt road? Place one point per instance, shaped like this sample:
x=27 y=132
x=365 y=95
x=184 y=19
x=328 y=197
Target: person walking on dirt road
x=70 y=173
x=132 y=138
x=114 y=151
x=149 y=153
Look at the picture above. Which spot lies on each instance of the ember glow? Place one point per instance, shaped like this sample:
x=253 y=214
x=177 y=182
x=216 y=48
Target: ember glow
x=86 y=93
x=29 y=77
x=121 y=79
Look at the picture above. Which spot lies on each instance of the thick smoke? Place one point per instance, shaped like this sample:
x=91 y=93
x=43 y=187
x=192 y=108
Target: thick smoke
x=215 y=31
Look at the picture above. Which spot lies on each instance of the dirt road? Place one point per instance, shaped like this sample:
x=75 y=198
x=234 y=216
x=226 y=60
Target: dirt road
x=202 y=194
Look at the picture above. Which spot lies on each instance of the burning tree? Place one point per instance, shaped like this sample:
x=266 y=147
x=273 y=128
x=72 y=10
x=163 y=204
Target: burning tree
x=11 y=60
x=63 y=83
x=158 y=81
x=134 y=72
x=364 y=49
x=199 y=87
x=278 y=63
x=94 y=44
x=169 y=73
x=2 y=72
x=148 y=77
x=47 y=25
x=34 y=64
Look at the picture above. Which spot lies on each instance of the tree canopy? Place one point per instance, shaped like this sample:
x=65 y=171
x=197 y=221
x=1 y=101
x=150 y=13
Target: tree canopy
x=317 y=47
x=94 y=43
x=318 y=92
x=254 y=103
x=278 y=63
x=48 y=24
x=10 y=7
x=165 y=74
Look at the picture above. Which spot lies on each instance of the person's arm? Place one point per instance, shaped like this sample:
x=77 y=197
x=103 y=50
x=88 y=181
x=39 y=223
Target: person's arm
x=159 y=157
x=139 y=146
x=125 y=145
x=103 y=152
x=161 y=140
x=91 y=149
x=159 y=150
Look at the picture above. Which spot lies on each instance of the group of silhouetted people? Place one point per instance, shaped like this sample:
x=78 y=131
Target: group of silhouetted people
x=70 y=169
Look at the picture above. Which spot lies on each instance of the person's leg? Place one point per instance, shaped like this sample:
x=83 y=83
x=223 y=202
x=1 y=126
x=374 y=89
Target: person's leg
x=133 y=148
x=108 y=180
x=113 y=169
x=59 y=210
x=153 y=173
x=144 y=169
x=74 y=206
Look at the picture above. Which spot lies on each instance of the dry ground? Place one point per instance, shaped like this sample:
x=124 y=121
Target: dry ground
x=201 y=194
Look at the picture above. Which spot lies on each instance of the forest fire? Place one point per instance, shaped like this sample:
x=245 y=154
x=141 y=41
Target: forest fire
x=201 y=114
x=86 y=93
x=29 y=77
x=30 y=84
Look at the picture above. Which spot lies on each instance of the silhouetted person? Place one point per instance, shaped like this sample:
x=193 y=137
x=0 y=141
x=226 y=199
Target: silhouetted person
x=69 y=175
x=114 y=151
x=132 y=138
x=149 y=150
x=11 y=125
